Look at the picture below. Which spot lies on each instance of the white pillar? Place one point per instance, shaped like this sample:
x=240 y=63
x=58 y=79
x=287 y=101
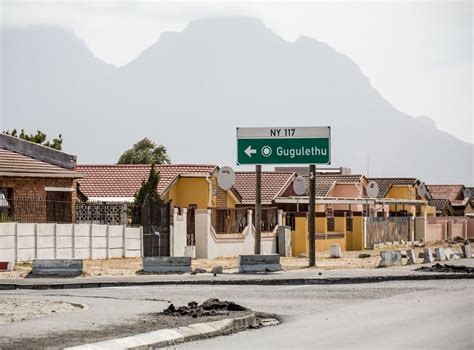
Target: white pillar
x=280 y=217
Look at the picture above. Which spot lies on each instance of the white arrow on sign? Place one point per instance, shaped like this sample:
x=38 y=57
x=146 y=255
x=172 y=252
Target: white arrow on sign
x=249 y=151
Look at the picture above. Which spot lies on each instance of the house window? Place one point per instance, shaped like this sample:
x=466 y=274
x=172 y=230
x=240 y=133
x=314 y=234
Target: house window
x=6 y=202
x=58 y=206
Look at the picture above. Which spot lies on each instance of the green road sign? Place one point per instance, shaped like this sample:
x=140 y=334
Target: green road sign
x=304 y=145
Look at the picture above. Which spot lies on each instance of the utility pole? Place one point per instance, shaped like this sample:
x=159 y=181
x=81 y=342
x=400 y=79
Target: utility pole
x=258 y=208
x=311 y=215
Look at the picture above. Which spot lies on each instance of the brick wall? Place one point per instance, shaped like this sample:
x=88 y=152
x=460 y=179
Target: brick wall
x=29 y=196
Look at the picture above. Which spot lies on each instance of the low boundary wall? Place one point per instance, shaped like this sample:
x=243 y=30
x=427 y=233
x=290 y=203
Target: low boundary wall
x=210 y=244
x=25 y=242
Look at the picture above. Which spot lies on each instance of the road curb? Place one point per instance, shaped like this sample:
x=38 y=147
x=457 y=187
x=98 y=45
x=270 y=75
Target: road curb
x=174 y=336
x=257 y=281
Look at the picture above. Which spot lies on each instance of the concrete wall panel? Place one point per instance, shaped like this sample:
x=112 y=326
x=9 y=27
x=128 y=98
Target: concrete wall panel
x=25 y=229
x=68 y=240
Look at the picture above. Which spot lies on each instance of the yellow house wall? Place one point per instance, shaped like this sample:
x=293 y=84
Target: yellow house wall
x=322 y=245
x=340 y=224
x=402 y=192
x=299 y=237
x=230 y=201
x=188 y=191
x=195 y=190
x=428 y=210
x=321 y=225
x=357 y=235
x=408 y=192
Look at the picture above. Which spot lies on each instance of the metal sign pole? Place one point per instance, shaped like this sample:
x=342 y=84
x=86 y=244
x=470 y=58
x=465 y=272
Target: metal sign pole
x=311 y=215
x=258 y=208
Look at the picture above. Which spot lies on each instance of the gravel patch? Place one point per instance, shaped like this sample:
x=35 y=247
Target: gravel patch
x=16 y=310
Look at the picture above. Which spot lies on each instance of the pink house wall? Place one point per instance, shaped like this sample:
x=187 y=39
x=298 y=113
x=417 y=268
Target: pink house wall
x=346 y=191
x=453 y=226
x=435 y=232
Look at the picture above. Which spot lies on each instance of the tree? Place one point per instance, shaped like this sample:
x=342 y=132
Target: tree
x=39 y=138
x=145 y=152
x=148 y=188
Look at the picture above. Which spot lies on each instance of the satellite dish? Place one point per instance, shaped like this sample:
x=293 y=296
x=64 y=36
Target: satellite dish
x=421 y=190
x=372 y=189
x=299 y=185
x=467 y=193
x=226 y=178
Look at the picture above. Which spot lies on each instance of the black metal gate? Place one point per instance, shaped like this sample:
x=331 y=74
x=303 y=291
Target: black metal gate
x=154 y=216
x=191 y=226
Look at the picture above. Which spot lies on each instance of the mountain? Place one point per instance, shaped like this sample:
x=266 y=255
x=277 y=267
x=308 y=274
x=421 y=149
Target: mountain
x=191 y=89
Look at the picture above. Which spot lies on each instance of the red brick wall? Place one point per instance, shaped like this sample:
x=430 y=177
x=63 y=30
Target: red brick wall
x=34 y=210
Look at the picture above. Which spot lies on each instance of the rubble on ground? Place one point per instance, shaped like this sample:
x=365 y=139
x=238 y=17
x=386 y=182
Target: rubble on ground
x=210 y=307
x=446 y=268
x=217 y=270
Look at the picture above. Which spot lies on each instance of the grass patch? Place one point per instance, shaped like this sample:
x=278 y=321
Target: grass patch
x=24 y=264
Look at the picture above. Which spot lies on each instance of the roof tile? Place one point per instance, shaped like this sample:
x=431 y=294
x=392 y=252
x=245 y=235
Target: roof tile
x=386 y=182
x=124 y=180
x=16 y=164
x=273 y=183
x=324 y=184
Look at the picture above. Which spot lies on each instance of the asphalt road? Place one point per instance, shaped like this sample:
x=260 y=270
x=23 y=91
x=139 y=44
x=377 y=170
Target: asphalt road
x=417 y=314
x=422 y=319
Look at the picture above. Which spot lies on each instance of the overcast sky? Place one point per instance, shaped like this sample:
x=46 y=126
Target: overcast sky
x=419 y=55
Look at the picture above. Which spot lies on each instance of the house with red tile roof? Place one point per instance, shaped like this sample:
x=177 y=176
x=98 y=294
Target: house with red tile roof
x=184 y=185
x=37 y=183
x=455 y=195
x=329 y=187
x=274 y=183
x=404 y=189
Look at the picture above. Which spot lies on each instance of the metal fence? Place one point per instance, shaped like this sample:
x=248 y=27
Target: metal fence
x=331 y=224
x=229 y=220
x=36 y=209
x=349 y=223
x=269 y=219
x=29 y=209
